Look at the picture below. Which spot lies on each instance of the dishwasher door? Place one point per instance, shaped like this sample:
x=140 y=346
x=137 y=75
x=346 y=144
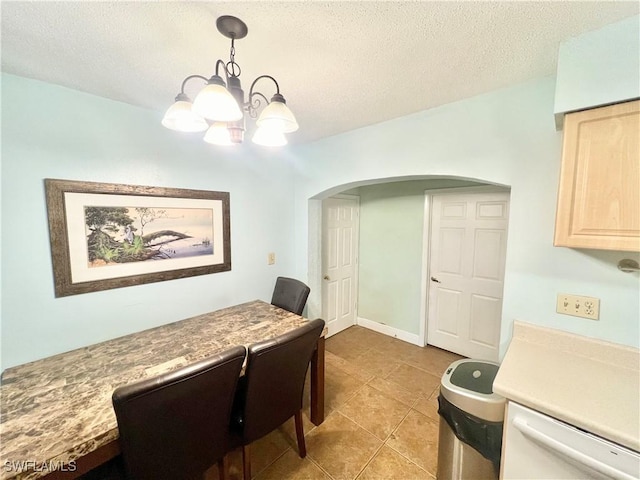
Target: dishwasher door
x=541 y=447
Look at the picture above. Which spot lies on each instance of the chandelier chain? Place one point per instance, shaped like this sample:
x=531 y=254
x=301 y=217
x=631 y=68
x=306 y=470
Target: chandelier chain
x=233 y=69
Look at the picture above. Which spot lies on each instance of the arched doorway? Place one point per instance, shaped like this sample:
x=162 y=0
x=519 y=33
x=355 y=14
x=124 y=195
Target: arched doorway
x=408 y=196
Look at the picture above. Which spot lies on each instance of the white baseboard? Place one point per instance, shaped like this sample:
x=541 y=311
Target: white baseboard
x=390 y=331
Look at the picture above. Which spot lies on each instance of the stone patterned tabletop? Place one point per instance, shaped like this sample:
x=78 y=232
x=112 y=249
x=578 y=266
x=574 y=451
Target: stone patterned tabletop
x=57 y=409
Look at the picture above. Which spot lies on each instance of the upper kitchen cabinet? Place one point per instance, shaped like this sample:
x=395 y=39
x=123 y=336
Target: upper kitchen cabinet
x=599 y=191
x=597 y=89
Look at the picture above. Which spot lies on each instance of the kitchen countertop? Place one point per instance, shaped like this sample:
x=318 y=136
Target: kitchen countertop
x=589 y=383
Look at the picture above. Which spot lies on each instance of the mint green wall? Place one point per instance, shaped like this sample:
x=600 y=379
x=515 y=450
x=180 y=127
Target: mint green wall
x=53 y=132
x=505 y=137
x=391 y=246
x=599 y=67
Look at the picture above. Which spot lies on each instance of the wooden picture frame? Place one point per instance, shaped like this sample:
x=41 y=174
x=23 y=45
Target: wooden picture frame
x=106 y=236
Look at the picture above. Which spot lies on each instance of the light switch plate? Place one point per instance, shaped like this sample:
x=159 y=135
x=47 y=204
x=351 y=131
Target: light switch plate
x=578 y=306
x=271 y=259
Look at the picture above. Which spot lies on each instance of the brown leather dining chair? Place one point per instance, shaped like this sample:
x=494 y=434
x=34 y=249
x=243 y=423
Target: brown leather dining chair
x=290 y=294
x=176 y=425
x=270 y=393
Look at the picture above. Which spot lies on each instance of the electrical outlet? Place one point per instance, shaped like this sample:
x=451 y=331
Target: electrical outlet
x=271 y=259
x=578 y=306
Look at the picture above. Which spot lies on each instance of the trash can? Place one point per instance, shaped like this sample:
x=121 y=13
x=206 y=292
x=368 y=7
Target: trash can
x=471 y=421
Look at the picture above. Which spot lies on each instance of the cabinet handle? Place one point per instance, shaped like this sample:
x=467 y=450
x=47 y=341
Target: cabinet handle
x=627 y=265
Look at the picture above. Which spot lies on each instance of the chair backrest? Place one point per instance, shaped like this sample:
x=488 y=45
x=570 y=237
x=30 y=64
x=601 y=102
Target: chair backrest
x=274 y=379
x=290 y=294
x=176 y=425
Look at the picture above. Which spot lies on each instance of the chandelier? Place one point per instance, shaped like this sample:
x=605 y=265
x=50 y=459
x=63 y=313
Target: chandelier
x=219 y=108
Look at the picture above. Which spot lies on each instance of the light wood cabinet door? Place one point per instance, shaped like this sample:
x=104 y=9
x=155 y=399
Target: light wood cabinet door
x=599 y=192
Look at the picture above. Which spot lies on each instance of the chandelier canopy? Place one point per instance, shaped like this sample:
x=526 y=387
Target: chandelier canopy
x=219 y=107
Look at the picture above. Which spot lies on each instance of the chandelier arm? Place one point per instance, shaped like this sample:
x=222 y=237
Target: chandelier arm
x=184 y=82
x=254 y=103
x=264 y=76
x=224 y=67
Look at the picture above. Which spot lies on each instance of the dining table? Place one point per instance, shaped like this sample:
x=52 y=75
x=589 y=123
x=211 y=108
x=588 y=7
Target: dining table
x=56 y=416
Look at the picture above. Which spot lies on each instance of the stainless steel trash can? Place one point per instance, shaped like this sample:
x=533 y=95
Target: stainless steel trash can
x=471 y=420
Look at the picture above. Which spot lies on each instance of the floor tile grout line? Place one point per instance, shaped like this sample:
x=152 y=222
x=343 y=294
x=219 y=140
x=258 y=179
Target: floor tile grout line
x=359 y=426
x=320 y=467
x=369 y=431
x=389 y=395
x=369 y=461
x=410 y=461
x=254 y=475
x=382 y=442
x=396 y=429
x=352 y=395
x=430 y=372
x=351 y=366
x=409 y=408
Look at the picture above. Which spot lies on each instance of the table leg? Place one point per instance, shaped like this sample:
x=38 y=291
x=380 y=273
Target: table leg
x=317 y=384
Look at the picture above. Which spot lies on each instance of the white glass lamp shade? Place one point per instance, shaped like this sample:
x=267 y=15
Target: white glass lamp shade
x=218 y=134
x=269 y=137
x=216 y=103
x=277 y=116
x=182 y=118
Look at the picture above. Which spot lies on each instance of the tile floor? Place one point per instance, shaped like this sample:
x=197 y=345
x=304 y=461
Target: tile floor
x=381 y=420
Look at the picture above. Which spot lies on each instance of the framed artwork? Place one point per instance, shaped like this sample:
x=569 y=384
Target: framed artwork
x=107 y=235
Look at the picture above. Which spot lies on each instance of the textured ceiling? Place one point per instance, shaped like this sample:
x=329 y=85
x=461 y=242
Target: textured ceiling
x=340 y=65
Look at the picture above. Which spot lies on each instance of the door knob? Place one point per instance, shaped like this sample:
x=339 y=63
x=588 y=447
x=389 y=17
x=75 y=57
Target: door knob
x=326 y=277
x=434 y=279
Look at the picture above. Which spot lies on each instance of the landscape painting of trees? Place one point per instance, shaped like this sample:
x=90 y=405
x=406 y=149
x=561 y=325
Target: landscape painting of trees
x=110 y=235
x=137 y=234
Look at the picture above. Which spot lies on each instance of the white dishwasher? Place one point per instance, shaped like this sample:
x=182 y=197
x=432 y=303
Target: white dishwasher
x=539 y=447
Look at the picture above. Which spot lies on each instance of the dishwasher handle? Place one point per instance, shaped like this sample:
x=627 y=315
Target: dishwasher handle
x=559 y=447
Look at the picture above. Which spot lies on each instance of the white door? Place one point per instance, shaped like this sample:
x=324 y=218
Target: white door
x=339 y=262
x=466 y=272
